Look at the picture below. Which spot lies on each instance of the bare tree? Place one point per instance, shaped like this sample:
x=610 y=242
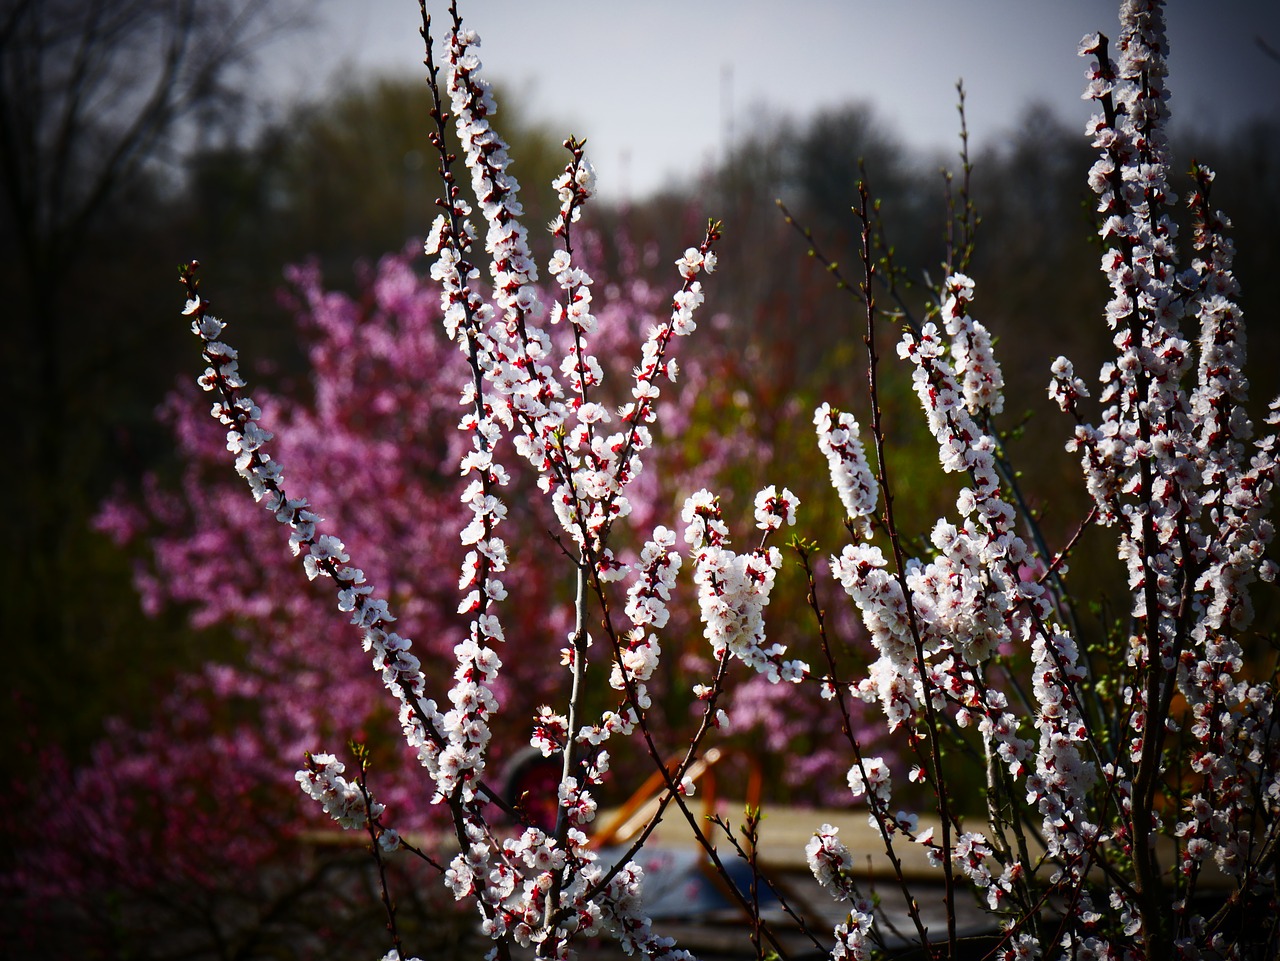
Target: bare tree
x=98 y=98
x=93 y=91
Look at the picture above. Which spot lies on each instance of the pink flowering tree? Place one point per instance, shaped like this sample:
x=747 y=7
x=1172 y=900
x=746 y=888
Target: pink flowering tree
x=371 y=435
x=1127 y=783
x=382 y=452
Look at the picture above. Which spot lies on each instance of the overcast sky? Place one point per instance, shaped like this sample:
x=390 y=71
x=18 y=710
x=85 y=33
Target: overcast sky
x=658 y=87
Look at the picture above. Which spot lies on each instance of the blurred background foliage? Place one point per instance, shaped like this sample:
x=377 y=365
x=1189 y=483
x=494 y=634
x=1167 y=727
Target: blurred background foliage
x=104 y=196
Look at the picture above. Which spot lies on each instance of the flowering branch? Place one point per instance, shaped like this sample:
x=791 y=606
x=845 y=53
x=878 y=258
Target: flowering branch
x=1107 y=790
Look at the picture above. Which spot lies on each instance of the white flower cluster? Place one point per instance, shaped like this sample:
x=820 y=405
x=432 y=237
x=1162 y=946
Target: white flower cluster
x=847 y=459
x=733 y=589
x=322 y=780
x=561 y=432
x=853 y=936
x=860 y=569
x=573 y=188
x=625 y=917
x=952 y=395
x=514 y=885
x=871 y=776
x=655 y=577
x=1066 y=389
x=830 y=861
x=774 y=509
x=646 y=607
x=583 y=471
x=394 y=955
x=978 y=595
x=981 y=382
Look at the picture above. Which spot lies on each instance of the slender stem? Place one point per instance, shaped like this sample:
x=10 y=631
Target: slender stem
x=371 y=825
x=569 y=758
x=900 y=570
